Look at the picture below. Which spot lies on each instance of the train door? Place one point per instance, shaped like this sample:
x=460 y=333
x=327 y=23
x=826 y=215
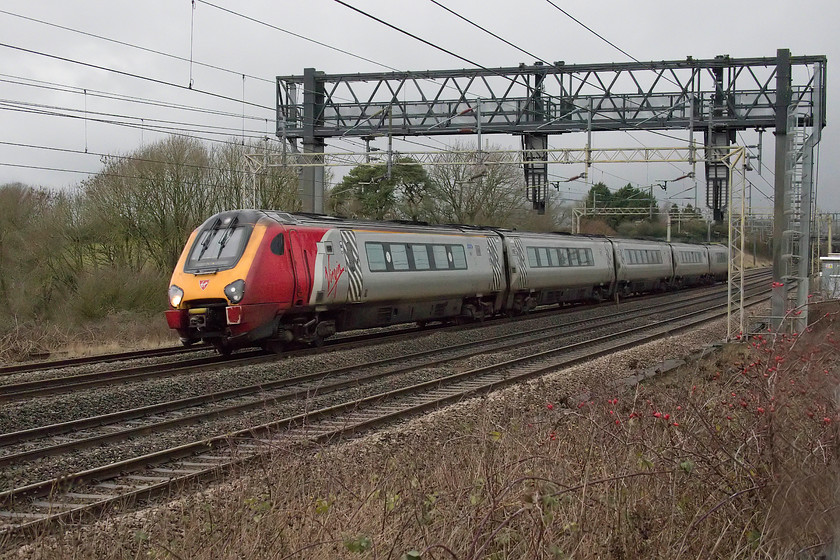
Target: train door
x=278 y=273
x=302 y=270
x=356 y=285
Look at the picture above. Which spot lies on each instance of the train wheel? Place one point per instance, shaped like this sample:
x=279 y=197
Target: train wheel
x=273 y=346
x=223 y=348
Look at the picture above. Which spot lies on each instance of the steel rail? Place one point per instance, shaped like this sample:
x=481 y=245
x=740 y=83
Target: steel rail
x=102 y=358
x=46 y=365
x=54 y=385
x=462 y=351
x=438 y=392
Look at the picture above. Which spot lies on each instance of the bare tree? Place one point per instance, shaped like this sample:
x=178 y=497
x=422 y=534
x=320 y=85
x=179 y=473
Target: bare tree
x=238 y=185
x=155 y=197
x=486 y=192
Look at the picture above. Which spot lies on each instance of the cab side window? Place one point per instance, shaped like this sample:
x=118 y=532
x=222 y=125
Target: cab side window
x=278 y=245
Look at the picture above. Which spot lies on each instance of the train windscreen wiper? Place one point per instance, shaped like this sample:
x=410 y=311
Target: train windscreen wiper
x=226 y=235
x=206 y=243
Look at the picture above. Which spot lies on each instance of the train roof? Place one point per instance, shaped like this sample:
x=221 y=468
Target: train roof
x=252 y=216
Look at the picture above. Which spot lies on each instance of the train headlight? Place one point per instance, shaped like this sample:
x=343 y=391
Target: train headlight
x=176 y=294
x=235 y=290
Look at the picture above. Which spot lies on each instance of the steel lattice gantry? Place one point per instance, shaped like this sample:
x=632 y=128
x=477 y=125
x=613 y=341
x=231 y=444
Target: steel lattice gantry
x=716 y=96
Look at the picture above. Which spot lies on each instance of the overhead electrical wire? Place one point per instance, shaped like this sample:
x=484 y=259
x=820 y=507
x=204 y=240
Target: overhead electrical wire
x=81 y=172
x=139 y=122
x=260 y=22
x=133 y=75
x=471 y=22
x=174 y=131
x=118 y=157
x=436 y=2
x=451 y=53
x=468 y=20
x=203 y=127
x=133 y=46
x=607 y=41
x=61 y=87
x=64 y=88
x=314 y=41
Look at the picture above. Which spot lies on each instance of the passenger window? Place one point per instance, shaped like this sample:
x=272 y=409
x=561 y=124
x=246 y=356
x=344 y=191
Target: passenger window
x=399 y=257
x=440 y=256
x=552 y=257
x=532 y=257
x=563 y=255
x=542 y=253
x=421 y=257
x=459 y=257
x=277 y=244
x=376 y=257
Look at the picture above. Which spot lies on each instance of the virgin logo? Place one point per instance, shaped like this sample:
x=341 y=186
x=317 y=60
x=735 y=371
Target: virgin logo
x=203 y=284
x=332 y=274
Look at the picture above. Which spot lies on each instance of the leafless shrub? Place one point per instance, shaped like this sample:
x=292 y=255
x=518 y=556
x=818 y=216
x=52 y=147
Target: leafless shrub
x=733 y=456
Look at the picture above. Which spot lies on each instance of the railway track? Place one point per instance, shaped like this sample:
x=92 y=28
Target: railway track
x=170 y=414
x=33 y=505
x=47 y=365
x=13 y=391
x=100 y=359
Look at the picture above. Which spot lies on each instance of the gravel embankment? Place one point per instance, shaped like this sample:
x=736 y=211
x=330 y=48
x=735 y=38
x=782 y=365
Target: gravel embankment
x=25 y=414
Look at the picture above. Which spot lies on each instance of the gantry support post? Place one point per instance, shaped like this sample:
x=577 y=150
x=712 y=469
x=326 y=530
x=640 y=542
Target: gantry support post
x=534 y=146
x=312 y=178
x=780 y=192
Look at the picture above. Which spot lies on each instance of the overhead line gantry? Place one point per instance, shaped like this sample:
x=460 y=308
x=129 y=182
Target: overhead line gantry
x=717 y=97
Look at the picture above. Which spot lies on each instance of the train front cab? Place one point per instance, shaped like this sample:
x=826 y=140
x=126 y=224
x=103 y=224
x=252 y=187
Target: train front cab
x=232 y=281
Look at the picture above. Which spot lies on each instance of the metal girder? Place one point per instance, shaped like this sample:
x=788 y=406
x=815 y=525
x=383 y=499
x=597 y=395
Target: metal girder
x=666 y=154
x=722 y=92
x=737 y=221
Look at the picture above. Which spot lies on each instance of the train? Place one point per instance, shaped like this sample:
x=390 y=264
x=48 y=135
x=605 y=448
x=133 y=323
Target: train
x=269 y=278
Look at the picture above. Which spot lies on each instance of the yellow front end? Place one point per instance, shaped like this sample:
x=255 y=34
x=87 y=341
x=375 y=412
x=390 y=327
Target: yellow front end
x=204 y=296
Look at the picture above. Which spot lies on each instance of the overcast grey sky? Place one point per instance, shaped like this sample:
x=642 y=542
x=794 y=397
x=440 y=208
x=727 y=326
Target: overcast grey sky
x=58 y=116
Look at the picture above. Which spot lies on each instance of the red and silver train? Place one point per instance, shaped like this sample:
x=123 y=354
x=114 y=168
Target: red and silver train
x=252 y=277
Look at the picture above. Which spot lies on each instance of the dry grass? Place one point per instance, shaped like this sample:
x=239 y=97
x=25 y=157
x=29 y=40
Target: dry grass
x=734 y=455
x=117 y=332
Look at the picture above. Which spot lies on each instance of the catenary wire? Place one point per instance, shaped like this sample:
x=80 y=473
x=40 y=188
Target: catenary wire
x=133 y=75
x=131 y=45
x=260 y=22
x=64 y=88
x=69 y=110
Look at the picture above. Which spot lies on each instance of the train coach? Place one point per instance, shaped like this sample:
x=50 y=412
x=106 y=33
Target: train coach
x=253 y=277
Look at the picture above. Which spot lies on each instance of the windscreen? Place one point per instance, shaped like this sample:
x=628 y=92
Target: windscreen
x=218 y=247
